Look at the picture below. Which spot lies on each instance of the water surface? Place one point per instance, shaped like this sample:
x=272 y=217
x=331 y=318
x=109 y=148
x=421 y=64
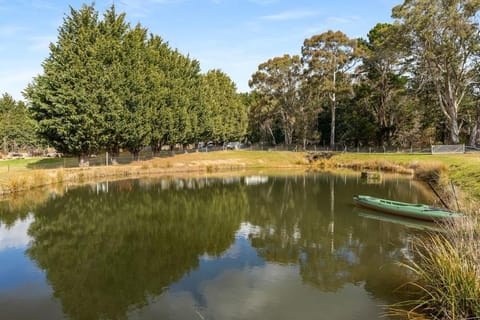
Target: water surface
x=253 y=247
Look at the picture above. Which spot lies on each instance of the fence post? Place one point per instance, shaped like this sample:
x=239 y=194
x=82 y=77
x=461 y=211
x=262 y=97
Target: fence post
x=106 y=158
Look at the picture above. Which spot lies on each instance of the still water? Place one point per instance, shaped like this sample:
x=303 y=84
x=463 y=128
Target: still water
x=252 y=247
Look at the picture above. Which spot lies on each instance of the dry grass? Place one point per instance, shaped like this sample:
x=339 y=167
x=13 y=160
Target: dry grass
x=23 y=178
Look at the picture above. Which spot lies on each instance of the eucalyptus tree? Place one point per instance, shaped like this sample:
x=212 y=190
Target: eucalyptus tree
x=224 y=116
x=382 y=75
x=328 y=58
x=278 y=82
x=443 y=37
x=63 y=98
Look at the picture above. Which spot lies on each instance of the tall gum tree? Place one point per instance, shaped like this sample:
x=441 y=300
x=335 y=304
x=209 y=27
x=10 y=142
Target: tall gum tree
x=328 y=58
x=443 y=41
x=381 y=75
x=278 y=81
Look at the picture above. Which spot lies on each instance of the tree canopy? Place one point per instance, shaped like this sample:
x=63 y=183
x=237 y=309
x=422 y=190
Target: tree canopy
x=410 y=83
x=107 y=85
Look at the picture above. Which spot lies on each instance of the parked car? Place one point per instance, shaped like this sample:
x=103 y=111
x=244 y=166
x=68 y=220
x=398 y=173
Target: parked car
x=235 y=145
x=54 y=155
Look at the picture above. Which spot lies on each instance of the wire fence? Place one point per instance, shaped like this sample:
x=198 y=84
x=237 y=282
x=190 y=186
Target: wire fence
x=126 y=158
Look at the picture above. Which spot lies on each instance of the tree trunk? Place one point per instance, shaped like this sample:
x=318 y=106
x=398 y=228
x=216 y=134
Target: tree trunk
x=114 y=154
x=332 y=128
x=156 y=147
x=473 y=134
x=334 y=105
x=274 y=141
x=454 y=131
x=135 y=155
x=5 y=145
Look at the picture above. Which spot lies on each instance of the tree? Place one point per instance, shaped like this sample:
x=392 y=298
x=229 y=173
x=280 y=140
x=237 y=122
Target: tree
x=180 y=115
x=111 y=58
x=328 y=58
x=442 y=37
x=63 y=98
x=278 y=82
x=224 y=116
x=136 y=92
x=159 y=56
x=381 y=75
x=16 y=127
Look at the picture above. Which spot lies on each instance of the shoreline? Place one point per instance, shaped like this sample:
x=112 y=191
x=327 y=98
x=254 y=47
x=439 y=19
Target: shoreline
x=421 y=168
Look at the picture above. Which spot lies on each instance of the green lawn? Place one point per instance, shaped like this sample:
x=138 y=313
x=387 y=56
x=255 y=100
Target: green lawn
x=463 y=169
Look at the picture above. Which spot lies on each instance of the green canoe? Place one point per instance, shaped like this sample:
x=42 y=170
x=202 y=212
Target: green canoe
x=410 y=210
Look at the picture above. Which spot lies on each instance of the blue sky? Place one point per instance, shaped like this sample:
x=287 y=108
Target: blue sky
x=232 y=35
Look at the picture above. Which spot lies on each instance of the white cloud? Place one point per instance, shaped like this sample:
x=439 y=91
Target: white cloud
x=274 y=291
x=15 y=236
x=290 y=15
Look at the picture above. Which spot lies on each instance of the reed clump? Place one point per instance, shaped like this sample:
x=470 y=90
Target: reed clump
x=447 y=274
x=16 y=184
x=429 y=171
x=374 y=165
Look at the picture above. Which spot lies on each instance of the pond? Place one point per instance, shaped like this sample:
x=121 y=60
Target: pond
x=255 y=247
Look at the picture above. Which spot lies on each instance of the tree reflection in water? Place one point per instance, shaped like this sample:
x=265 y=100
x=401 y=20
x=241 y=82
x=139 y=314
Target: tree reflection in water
x=111 y=248
x=108 y=252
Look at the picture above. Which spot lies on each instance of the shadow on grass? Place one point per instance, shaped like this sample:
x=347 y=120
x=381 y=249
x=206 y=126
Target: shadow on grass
x=54 y=163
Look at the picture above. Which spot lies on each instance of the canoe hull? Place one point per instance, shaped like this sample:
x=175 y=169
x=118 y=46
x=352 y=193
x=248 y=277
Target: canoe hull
x=408 y=210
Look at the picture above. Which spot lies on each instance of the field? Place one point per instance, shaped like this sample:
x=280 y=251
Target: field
x=462 y=169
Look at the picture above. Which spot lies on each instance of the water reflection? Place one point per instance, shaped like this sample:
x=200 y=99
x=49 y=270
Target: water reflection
x=14 y=235
x=218 y=248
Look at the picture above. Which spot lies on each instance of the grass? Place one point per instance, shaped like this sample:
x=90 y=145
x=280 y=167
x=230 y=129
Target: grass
x=462 y=169
x=24 y=174
x=447 y=274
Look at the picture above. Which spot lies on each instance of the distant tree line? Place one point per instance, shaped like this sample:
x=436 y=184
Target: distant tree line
x=410 y=83
x=109 y=86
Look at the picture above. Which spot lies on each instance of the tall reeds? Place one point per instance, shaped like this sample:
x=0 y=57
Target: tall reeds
x=447 y=274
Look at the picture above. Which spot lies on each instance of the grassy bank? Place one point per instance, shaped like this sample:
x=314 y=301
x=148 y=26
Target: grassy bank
x=463 y=170
x=24 y=174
